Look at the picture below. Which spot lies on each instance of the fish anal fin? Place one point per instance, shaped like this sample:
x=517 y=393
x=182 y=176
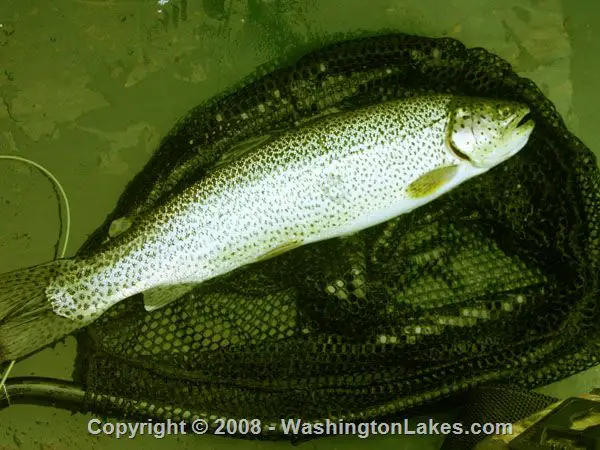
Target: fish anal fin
x=431 y=182
x=160 y=296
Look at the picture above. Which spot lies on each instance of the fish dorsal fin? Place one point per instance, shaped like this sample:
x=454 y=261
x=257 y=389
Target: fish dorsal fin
x=241 y=148
x=431 y=182
x=315 y=118
x=160 y=296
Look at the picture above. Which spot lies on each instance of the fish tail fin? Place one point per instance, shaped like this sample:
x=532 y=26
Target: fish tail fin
x=27 y=321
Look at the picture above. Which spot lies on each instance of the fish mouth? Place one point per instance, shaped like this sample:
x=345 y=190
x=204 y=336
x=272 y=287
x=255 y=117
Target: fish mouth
x=523 y=120
x=522 y=127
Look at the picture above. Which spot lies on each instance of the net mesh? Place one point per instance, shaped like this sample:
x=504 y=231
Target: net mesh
x=495 y=281
x=494 y=404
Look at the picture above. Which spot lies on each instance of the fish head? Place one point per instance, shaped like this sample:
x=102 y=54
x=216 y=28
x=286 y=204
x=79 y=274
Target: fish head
x=486 y=132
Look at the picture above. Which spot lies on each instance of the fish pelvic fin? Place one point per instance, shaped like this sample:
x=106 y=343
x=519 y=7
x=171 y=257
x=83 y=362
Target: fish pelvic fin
x=280 y=250
x=27 y=321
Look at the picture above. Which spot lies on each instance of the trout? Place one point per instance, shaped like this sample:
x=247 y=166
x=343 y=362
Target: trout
x=331 y=177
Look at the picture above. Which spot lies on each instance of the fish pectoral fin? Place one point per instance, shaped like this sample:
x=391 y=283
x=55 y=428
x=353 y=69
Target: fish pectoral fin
x=431 y=182
x=160 y=296
x=284 y=248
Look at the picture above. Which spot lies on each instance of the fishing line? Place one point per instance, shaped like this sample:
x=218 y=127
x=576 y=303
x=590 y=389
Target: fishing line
x=3 y=380
x=61 y=195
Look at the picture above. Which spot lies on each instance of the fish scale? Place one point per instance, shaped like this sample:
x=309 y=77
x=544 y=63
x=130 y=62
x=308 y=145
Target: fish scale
x=326 y=179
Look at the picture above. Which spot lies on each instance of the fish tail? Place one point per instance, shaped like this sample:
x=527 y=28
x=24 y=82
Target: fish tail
x=27 y=321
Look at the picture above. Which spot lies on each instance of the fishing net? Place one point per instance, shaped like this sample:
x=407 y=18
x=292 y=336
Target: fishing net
x=496 y=281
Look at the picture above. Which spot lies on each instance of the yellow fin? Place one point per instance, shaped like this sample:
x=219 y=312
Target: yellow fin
x=280 y=250
x=160 y=296
x=430 y=182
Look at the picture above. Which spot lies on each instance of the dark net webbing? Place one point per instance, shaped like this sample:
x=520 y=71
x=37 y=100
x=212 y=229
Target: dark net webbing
x=494 y=404
x=496 y=281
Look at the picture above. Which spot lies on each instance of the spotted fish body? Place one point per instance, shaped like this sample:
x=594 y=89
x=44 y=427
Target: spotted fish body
x=329 y=178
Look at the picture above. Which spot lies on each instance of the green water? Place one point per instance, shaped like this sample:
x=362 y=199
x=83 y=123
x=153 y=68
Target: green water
x=88 y=87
